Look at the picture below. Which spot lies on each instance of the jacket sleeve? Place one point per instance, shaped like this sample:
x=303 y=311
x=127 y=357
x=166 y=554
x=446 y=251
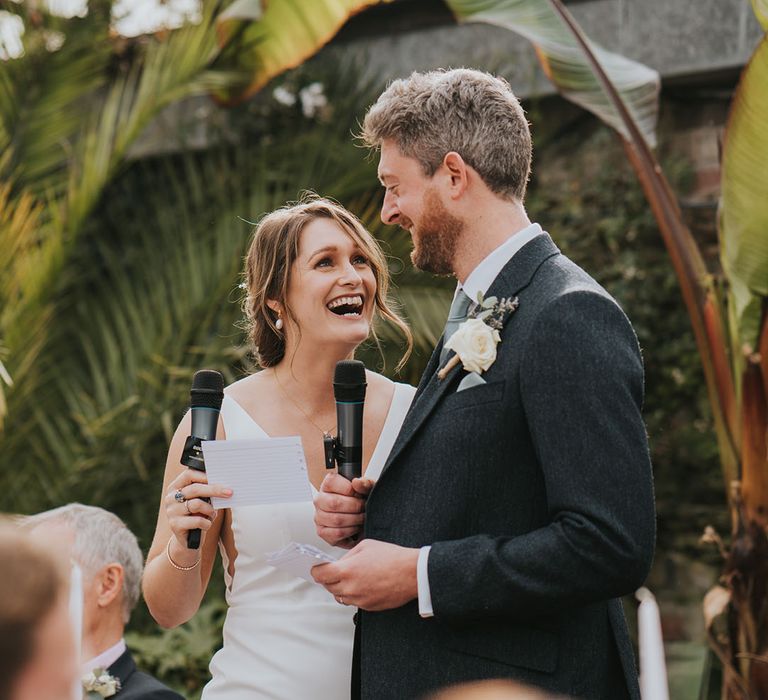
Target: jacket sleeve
x=582 y=388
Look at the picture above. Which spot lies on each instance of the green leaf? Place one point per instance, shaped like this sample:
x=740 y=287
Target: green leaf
x=563 y=61
x=285 y=34
x=743 y=216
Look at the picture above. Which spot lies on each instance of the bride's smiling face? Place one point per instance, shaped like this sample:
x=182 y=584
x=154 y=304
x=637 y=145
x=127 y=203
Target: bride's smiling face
x=332 y=287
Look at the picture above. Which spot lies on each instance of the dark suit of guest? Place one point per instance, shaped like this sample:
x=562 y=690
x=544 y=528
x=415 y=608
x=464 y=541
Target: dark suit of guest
x=534 y=491
x=135 y=685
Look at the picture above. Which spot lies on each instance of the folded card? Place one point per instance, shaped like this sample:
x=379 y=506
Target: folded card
x=298 y=559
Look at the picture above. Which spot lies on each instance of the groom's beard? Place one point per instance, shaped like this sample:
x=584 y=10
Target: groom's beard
x=435 y=237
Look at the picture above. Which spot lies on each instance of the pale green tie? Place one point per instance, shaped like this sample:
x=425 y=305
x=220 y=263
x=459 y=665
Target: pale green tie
x=456 y=316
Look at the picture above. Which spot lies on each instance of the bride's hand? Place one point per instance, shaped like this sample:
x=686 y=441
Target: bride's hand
x=340 y=509
x=184 y=505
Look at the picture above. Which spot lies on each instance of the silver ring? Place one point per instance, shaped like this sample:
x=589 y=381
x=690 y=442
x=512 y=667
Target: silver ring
x=179 y=496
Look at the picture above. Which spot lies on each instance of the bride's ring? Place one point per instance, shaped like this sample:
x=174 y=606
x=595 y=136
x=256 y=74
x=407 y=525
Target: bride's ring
x=179 y=496
x=186 y=505
x=340 y=599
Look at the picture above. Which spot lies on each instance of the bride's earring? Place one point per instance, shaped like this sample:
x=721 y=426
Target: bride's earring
x=279 y=323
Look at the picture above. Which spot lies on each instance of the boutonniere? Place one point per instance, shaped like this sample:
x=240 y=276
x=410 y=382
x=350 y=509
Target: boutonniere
x=475 y=340
x=99 y=684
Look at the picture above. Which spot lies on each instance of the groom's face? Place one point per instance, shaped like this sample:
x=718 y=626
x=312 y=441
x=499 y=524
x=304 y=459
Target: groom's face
x=413 y=201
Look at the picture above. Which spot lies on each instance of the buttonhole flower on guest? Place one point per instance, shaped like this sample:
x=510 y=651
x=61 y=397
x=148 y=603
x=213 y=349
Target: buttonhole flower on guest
x=99 y=684
x=475 y=340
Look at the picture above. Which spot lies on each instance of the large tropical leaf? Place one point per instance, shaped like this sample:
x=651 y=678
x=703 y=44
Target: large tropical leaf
x=744 y=204
x=565 y=64
x=266 y=38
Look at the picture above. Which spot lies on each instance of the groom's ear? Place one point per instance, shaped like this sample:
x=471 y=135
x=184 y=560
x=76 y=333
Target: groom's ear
x=457 y=173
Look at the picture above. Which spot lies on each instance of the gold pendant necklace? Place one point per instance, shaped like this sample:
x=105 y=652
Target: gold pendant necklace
x=326 y=433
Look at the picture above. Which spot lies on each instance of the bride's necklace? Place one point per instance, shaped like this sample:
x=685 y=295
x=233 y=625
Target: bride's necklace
x=326 y=433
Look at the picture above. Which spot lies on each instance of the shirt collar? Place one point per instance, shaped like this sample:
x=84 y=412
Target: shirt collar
x=481 y=278
x=106 y=658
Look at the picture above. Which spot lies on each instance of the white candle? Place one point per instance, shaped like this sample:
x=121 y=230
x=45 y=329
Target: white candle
x=76 y=615
x=653 y=668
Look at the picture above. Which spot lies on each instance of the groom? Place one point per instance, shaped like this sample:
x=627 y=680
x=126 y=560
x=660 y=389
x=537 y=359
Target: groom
x=517 y=504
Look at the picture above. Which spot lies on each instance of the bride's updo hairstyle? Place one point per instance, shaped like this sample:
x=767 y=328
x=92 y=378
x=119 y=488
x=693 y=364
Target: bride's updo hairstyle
x=268 y=263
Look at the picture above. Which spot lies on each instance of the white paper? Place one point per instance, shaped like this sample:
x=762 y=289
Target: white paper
x=259 y=472
x=298 y=559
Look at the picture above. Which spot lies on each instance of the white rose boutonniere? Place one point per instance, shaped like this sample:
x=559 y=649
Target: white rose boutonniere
x=475 y=340
x=475 y=344
x=99 y=684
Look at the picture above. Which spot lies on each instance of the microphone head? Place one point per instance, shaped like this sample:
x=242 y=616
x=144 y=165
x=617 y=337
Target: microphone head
x=207 y=389
x=349 y=381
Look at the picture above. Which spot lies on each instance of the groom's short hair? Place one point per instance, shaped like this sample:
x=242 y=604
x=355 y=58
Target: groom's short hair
x=99 y=538
x=467 y=111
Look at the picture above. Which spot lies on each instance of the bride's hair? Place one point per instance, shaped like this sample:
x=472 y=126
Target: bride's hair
x=272 y=252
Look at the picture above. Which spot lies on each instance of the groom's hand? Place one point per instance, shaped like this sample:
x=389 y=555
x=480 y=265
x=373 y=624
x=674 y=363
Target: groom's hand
x=373 y=576
x=340 y=509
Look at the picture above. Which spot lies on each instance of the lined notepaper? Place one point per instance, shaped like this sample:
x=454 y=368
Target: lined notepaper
x=259 y=472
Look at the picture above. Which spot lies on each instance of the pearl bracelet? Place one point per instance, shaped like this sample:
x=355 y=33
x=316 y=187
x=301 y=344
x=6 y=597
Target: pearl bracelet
x=174 y=564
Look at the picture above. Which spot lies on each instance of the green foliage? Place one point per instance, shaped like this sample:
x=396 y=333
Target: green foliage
x=180 y=656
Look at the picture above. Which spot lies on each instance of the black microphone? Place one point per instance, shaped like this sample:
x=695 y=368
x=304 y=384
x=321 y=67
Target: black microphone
x=205 y=399
x=349 y=391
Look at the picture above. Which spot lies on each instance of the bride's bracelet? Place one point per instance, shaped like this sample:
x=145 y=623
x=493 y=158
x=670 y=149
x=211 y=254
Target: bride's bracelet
x=174 y=564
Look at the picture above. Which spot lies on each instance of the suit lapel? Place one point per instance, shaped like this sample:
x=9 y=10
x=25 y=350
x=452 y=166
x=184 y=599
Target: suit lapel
x=515 y=276
x=123 y=668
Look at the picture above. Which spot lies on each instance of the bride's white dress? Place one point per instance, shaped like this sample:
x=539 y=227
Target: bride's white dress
x=285 y=638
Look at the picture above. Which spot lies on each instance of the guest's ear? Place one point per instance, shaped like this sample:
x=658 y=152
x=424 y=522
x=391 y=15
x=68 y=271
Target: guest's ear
x=110 y=584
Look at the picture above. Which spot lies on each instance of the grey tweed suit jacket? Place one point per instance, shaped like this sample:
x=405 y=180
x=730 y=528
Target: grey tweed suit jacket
x=534 y=491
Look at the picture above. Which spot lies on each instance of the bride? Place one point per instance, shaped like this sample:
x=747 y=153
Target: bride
x=315 y=281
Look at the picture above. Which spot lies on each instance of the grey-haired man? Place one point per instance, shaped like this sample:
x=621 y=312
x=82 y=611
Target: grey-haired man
x=111 y=563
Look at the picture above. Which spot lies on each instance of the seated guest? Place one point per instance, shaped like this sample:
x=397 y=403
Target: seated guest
x=111 y=562
x=37 y=650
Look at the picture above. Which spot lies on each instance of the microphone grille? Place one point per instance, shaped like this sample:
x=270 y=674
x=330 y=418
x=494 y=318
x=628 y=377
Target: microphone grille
x=349 y=381
x=207 y=389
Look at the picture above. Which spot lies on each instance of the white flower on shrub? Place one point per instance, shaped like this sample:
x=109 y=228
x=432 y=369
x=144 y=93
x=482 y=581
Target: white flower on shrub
x=313 y=100
x=284 y=96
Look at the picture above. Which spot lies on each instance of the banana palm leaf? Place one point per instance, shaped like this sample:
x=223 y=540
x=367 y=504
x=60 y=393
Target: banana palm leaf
x=266 y=38
x=743 y=216
x=566 y=65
